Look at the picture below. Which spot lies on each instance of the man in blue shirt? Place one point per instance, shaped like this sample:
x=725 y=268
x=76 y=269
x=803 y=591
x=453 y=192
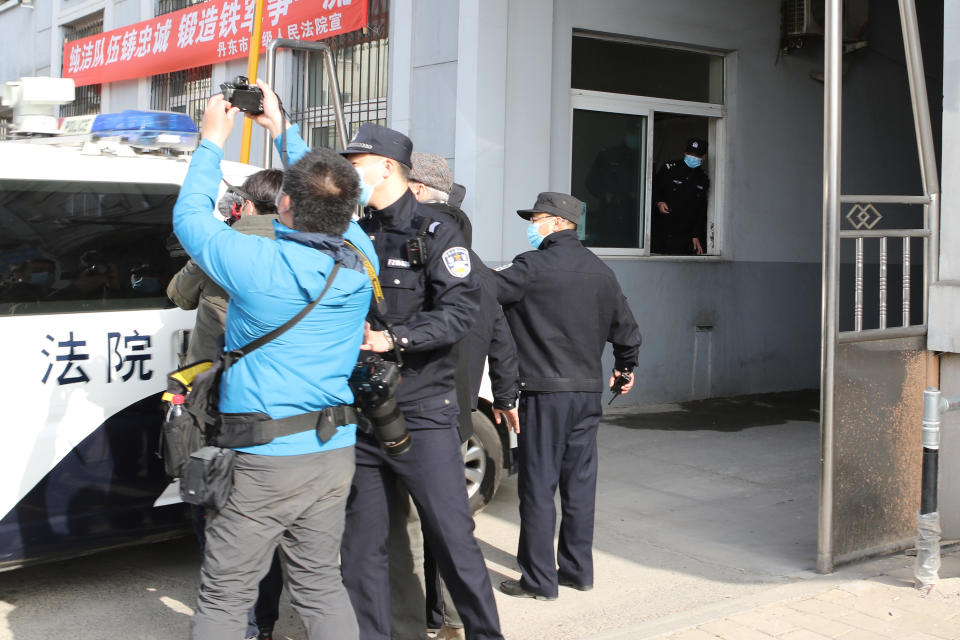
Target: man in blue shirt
x=290 y=492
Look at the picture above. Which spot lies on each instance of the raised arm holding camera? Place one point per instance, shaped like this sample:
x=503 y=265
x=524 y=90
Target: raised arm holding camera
x=291 y=491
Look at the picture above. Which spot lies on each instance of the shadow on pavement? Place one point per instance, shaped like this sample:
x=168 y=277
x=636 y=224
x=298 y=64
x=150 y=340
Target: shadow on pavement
x=722 y=414
x=696 y=502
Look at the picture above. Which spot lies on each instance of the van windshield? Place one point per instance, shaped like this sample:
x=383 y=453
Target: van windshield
x=70 y=247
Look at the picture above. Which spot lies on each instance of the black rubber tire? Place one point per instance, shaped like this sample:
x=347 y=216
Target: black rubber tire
x=483 y=456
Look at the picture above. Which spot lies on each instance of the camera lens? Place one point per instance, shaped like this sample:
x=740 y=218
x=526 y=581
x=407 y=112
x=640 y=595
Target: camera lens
x=390 y=427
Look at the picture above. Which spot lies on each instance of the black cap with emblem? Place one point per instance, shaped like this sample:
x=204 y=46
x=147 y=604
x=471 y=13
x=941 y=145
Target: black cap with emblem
x=380 y=141
x=556 y=204
x=697 y=147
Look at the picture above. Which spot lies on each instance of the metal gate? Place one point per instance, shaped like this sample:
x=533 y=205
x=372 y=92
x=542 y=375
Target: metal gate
x=87 y=98
x=880 y=256
x=360 y=60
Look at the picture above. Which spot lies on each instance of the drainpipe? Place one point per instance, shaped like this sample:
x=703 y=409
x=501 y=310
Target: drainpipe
x=927 y=566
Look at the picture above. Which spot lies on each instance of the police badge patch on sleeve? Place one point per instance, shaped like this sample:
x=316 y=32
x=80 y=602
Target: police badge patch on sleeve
x=457 y=262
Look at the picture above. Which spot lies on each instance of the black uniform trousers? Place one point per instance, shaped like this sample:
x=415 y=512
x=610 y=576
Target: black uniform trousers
x=432 y=471
x=557 y=446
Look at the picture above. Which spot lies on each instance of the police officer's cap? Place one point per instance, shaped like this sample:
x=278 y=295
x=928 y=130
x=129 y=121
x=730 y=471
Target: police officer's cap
x=556 y=204
x=697 y=147
x=378 y=140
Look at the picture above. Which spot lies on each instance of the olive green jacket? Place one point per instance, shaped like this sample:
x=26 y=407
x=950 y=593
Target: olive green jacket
x=191 y=288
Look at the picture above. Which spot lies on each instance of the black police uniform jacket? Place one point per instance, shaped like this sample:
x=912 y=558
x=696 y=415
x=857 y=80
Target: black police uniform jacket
x=490 y=335
x=563 y=304
x=685 y=192
x=430 y=307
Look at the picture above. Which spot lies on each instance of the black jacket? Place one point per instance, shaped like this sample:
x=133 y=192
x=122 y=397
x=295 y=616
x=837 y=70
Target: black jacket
x=563 y=304
x=685 y=191
x=491 y=338
x=490 y=335
x=429 y=307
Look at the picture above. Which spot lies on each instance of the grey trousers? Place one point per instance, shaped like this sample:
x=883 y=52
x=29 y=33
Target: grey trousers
x=298 y=503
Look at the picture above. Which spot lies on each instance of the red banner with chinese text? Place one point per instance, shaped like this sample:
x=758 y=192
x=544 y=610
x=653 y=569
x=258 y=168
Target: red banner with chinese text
x=206 y=33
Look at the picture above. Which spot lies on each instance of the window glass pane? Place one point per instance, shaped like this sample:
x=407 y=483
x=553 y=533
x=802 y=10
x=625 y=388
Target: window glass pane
x=645 y=70
x=87 y=98
x=361 y=59
x=609 y=156
x=184 y=91
x=70 y=247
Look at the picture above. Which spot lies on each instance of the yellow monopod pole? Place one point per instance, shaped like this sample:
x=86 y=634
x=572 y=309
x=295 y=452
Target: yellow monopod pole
x=252 y=61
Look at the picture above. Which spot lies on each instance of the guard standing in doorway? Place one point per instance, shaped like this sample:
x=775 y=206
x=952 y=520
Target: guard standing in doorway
x=680 y=189
x=432 y=301
x=563 y=305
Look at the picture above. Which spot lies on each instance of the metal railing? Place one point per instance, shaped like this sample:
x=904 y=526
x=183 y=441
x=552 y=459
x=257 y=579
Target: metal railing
x=866 y=216
x=832 y=198
x=334 y=87
x=360 y=59
x=87 y=98
x=184 y=91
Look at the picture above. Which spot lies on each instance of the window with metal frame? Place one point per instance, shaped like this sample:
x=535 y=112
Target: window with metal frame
x=185 y=91
x=634 y=106
x=361 y=63
x=86 y=99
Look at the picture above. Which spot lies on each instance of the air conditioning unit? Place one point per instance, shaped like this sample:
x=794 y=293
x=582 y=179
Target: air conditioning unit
x=807 y=18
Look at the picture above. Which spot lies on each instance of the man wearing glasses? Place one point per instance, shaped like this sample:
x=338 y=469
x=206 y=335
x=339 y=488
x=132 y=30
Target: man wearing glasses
x=563 y=305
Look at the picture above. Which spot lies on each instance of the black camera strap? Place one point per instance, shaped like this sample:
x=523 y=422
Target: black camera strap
x=230 y=358
x=283 y=135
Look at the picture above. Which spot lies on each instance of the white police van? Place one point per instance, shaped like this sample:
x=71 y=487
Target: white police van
x=87 y=332
x=88 y=335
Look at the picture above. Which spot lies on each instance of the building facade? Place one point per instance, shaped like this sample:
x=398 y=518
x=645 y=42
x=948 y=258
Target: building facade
x=523 y=96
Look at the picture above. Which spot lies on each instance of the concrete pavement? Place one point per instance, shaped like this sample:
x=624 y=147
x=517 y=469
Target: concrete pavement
x=843 y=606
x=706 y=528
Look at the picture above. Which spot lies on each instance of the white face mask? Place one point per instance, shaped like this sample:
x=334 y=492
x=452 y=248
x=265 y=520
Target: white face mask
x=366 y=190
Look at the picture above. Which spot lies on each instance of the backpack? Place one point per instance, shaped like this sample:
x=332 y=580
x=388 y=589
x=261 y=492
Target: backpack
x=200 y=423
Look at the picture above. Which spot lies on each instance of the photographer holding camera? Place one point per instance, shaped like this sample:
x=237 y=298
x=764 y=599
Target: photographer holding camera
x=432 y=301
x=291 y=491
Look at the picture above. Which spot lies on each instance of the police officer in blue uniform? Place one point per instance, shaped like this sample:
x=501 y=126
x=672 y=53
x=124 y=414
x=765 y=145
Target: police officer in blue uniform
x=563 y=305
x=431 y=301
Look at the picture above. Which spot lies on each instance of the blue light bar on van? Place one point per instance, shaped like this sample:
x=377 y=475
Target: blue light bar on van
x=148 y=129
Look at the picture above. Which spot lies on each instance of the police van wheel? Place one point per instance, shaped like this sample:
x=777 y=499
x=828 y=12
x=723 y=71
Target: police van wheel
x=483 y=462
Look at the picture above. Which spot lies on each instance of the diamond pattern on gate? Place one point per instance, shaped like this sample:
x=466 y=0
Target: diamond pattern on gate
x=863 y=217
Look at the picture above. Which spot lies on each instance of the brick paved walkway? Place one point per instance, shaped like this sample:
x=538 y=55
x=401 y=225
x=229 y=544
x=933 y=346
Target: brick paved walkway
x=884 y=606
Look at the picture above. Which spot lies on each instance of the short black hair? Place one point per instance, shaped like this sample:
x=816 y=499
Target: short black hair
x=323 y=188
x=263 y=187
x=402 y=169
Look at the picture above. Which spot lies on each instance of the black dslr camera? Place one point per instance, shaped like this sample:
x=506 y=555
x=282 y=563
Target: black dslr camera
x=374 y=384
x=240 y=94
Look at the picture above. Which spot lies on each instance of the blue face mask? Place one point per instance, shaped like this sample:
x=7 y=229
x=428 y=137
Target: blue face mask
x=533 y=234
x=692 y=161
x=366 y=190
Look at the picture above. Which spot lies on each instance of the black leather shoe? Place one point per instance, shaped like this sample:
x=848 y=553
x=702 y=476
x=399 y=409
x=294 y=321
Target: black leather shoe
x=567 y=582
x=513 y=588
